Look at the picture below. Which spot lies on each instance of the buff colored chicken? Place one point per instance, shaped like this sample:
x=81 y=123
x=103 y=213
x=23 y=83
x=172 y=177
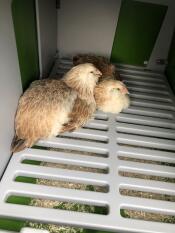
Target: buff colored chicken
x=45 y=108
x=111 y=96
x=103 y=64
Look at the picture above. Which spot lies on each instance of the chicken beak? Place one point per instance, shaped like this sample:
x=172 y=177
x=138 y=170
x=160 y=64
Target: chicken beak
x=98 y=73
x=124 y=90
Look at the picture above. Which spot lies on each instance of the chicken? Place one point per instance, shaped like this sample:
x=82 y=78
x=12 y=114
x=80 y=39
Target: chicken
x=111 y=96
x=46 y=105
x=81 y=113
x=103 y=64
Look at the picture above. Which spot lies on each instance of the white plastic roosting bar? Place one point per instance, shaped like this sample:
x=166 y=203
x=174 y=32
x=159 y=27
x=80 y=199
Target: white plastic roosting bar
x=145 y=131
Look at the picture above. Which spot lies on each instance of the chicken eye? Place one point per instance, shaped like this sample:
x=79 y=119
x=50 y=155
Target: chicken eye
x=92 y=72
x=116 y=89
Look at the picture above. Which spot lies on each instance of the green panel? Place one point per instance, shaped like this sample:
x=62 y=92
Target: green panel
x=19 y=200
x=24 y=19
x=138 y=26
x=11 y=225
x=170 y=71
x=32 y=162
x=25 y=179
x=16 y=225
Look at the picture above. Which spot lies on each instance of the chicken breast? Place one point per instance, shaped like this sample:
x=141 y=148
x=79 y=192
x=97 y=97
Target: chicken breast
x=111 y=96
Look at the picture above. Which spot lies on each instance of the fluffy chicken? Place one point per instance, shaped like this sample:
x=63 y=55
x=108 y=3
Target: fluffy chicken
x=111 y=96
x=45 y=108
x=103 y=64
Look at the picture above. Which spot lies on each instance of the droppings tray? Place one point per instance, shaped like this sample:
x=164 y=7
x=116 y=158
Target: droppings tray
x=117 y=145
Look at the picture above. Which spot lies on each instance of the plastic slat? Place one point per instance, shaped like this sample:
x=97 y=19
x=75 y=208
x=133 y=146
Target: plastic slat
x=146 y=141
x=146 y=130
x=153 y=97
x=126 y=143
x=145 y=120
x=146 y=84
x=147 y=186
x=159 y=113
x=151 y=104
x=148 y=89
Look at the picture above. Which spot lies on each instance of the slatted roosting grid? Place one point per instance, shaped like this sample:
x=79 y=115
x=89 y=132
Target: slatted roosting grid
x=119 y=145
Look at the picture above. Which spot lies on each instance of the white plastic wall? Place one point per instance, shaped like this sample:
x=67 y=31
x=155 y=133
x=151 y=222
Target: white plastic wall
x=10 y=82
x=46 y=14
x=87 y=26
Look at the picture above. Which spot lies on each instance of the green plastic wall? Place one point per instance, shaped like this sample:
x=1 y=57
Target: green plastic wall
x=170 y=71
x=138 y=26
x=24 y=19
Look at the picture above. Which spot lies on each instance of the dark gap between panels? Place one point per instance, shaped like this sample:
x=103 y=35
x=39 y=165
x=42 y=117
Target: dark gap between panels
x=84 y=139
x=63 y=184
x=105 y=129
x=58 y=204
x=148 y=195
x=140 y=124
x=146 y=161
x=65 y=166
x=147 y=216
x=146 y=176
x=145 y=147
x=70 y=151
x=147 y=136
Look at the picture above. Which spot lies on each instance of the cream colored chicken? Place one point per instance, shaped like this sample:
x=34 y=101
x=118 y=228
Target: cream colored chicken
x=46 y=106
x=111 y=96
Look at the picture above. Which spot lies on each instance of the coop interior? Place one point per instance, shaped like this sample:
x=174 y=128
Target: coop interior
x=117 y=173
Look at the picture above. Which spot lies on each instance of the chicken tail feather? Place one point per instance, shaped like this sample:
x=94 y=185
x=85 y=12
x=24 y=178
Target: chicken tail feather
x=68 y=128
x=18 y=144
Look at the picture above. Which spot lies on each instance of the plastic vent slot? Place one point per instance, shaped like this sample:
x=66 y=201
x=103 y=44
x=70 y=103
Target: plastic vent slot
x=139 y=141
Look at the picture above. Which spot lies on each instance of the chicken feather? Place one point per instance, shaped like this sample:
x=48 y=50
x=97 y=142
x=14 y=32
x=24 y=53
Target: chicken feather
x=46 y=106
x=102 y=63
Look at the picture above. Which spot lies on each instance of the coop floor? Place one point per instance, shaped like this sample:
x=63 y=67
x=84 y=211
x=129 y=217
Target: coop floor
x=52 y=228
x=108 y=175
